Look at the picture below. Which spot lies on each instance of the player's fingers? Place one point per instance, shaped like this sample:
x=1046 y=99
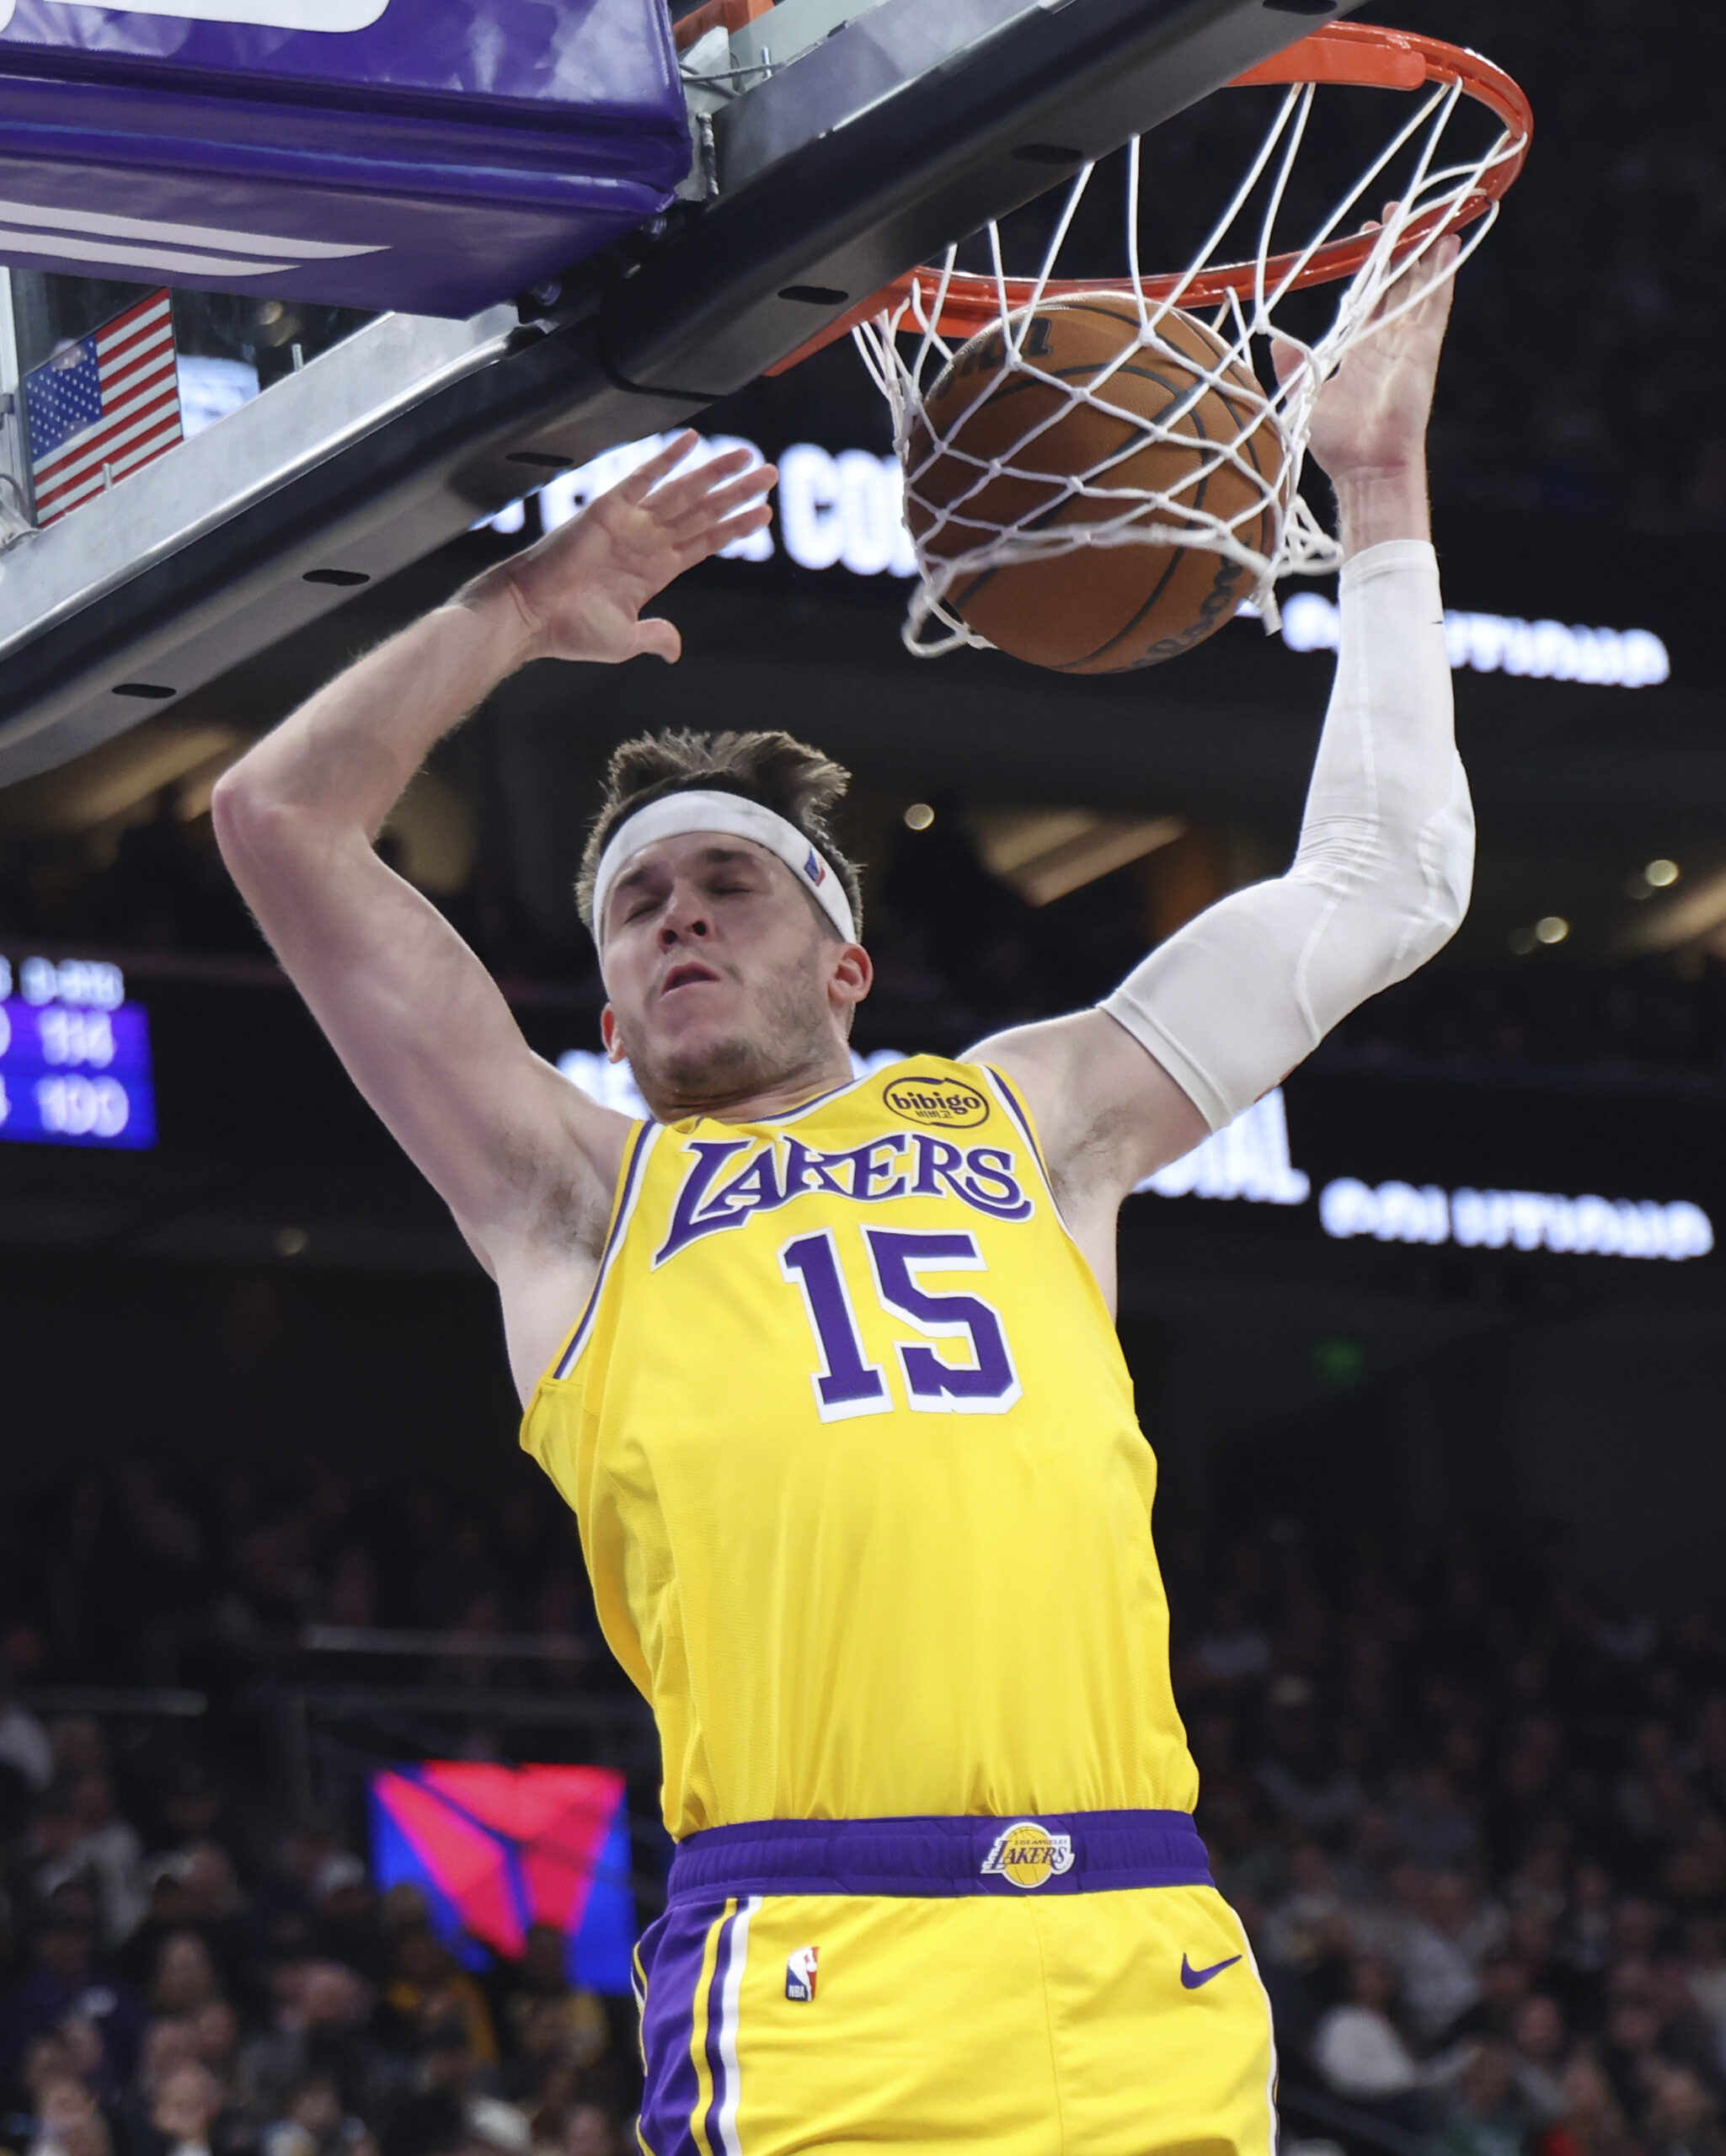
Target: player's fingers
x=743 y=492
x=1437 y=272
x=704 y=545
x=642 y=481
x=655 y=637
x=1288 y=357
x=677 y=498
x=1445 y=257
x=737 y=527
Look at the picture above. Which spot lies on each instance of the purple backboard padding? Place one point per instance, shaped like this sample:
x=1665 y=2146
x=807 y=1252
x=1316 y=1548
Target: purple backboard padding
x=446 y=255
x=610 y=61
x=481 y=145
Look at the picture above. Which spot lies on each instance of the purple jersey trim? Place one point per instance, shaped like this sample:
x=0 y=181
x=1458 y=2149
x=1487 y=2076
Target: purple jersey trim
x=932 y=1859
x=639 y=1145
x=671 y=1955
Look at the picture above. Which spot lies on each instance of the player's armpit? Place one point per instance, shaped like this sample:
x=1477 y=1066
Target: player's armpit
x=524 y=1160
x=1106 y=1111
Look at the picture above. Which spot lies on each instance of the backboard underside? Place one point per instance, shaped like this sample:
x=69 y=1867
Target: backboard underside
x=908 y=128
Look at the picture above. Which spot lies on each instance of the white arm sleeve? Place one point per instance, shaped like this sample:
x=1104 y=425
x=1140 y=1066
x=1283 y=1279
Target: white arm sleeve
x=1231 y=1002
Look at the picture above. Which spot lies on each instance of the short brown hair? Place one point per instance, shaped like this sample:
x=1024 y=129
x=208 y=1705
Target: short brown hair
x=796 y=781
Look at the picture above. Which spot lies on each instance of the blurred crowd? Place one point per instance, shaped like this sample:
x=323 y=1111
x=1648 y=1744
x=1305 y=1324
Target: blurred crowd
x=191 y=1966
x=132 y=1577
x=1473 y=1814
x=1639 y=1019
x=1572 y=380
x=957 y=953
x=1475 y=1823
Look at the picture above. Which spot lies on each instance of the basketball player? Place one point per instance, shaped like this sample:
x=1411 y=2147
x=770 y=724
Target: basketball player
x=827 y=1370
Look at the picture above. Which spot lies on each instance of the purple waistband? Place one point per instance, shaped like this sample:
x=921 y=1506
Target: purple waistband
x=1051 y=1853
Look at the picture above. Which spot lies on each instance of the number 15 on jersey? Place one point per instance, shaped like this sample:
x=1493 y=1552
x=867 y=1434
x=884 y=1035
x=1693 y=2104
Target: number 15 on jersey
x=981 y=1381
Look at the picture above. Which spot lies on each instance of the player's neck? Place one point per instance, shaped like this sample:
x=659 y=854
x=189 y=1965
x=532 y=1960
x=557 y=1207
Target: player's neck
x=755 y=1104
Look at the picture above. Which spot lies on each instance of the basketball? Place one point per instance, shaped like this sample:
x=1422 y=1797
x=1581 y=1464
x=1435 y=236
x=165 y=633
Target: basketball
x=1100 y=608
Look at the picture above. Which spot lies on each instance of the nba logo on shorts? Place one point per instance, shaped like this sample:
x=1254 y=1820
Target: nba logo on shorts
x=1028 y=1854
x=800 y=1974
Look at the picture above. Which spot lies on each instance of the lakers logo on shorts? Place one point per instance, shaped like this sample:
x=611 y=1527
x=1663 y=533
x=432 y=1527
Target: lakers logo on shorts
x=1028 y=1854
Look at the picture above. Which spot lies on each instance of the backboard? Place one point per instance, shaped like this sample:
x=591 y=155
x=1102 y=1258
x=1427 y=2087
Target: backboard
x=879 y=133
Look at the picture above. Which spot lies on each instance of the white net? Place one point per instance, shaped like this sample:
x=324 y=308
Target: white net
x=910 y=347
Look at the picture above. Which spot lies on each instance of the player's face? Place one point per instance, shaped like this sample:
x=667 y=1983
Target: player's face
x=723 y=978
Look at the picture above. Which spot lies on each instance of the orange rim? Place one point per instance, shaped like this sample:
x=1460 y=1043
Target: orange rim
x=1360 y=55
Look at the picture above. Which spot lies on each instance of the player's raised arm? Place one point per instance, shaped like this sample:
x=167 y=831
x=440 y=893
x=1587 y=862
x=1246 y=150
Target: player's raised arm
x=1229 y=1004
x=523 y=1158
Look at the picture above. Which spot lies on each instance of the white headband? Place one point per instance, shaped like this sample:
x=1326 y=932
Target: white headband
x=675 y=815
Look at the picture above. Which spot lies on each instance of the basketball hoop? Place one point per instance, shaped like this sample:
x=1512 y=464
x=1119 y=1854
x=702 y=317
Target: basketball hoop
x=909 y=333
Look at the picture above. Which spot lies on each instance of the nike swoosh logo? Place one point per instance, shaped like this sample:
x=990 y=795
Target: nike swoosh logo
x=1192 y=1977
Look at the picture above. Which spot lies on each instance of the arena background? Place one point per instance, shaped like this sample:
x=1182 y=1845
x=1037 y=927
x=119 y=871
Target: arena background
x=1441 y=1471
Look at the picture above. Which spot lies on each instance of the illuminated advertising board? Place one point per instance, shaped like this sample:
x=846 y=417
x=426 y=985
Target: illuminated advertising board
x=74 y=1056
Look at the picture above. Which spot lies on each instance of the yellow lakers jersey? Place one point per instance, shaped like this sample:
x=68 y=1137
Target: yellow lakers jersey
x=852 y=1447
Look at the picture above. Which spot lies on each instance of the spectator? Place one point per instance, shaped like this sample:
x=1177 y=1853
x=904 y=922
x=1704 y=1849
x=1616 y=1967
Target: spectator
x=1309 y=1924
x=1537 y=2047
x=69 y=2123
x=65 y=1982
x=1303 y=1780
x=189 y=2118
x=554 y=2049
x=1682 y=2117
x=215 y=2040
x=108 y=1848
x=86 y=2060
x=185 y=1978
x=193 y=1888
x=1231 y=1650
x=1503 y=1992
x=167 y=2046
x=48 y=1861
x=429 y=1982
x=1482 y=2118
x=314 y=2122
x=1433 y=1827
x=1593 y=2122
x=1706 y=1978
x=443 y=2107
x=588 y=2132
x=539 y=1988
x=346 y=1922
x=321 y=2028
x=1438 y=1935
x=1360 y=2052
x=26 y=1758
x=1585 y=1943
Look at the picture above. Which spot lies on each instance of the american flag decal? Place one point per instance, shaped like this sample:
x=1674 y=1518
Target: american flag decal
x=103 y=407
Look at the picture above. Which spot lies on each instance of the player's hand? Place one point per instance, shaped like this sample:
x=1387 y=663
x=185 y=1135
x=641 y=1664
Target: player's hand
x=1371 y=417
x=581 y=590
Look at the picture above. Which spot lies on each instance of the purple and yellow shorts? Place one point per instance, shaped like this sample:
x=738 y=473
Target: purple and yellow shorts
x=1068 y=1985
